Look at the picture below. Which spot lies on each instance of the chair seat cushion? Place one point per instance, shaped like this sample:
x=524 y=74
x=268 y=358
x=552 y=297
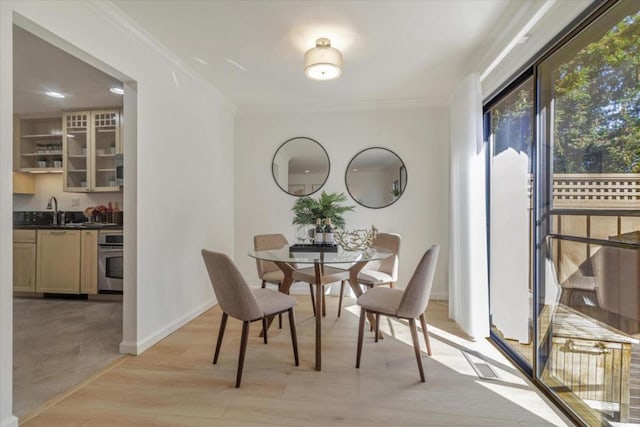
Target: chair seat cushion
x=275 y=277
x=382 y=300
x=374 y=277
x=331 y=274
x=273 y=301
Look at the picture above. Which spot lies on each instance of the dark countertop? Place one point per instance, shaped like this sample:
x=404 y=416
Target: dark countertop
x=74 y=226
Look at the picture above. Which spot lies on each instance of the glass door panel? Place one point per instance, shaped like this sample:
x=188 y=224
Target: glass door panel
x=588 y=299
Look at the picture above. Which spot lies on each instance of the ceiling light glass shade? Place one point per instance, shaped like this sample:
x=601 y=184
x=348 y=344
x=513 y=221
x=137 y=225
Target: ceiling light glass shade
x=323 y=62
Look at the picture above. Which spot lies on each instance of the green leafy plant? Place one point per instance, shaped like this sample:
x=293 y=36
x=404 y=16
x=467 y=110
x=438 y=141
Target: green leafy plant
x=306 y=209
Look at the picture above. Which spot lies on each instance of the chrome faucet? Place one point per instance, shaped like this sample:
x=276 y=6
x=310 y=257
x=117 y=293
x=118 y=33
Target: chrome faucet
x=55 y=209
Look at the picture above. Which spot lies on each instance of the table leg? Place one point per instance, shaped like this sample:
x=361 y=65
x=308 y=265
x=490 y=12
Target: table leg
x=355 y=287
x=319 y=287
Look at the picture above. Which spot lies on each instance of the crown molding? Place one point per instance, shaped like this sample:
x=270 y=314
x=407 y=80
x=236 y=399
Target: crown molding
x=381 y=104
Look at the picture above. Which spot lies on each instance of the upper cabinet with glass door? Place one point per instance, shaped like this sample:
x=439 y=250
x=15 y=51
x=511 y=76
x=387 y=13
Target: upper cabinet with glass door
x=91 y=141
x=38 y=143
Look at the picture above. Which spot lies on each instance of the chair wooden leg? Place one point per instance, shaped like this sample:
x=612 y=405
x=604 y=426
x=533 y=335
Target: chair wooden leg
x=294 y=336
x=264 y=328
x=243 y=351
x=377 y=325
x=223 y=324
x=324 y=303
x=392 y=285
x=313 y=299
x=416 y=346
x=264 y=284
x=340 y=300
x=426 y=334
x=280 y=321
x=363 y=315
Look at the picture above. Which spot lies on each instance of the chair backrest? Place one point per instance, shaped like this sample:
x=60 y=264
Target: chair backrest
x=617 y=273
x=264 y=242
x=233 y=293
x=390 y=242
x=416 y=295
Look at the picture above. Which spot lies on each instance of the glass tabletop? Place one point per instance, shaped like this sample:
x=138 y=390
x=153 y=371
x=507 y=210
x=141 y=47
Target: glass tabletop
x=323 y=257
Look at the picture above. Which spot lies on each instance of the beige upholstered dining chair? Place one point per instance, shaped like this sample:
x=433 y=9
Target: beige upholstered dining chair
x=409 y=304
x=329 y=275
x=380 y=272
x=238 y=301
x=268 y=271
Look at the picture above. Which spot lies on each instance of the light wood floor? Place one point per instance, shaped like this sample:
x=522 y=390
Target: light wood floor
x=175 y=384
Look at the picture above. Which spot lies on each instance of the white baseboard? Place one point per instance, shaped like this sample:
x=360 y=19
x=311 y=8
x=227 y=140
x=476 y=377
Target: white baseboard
x=439 y=296
x=138 y=347
x=11 y=421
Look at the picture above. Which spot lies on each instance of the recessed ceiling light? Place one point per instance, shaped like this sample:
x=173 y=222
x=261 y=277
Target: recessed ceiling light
x=307 y=171
x=355 y=169
x=54 y=94
x=117 y=90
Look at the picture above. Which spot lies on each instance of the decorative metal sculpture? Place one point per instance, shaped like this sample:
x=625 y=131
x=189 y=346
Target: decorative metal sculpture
x=355 y=240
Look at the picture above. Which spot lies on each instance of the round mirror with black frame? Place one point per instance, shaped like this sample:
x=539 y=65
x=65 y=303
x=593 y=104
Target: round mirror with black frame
x=376 y=177
x=300 y=166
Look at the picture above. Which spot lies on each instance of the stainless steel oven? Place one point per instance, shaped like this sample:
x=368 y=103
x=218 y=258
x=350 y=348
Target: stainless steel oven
x=110 y=261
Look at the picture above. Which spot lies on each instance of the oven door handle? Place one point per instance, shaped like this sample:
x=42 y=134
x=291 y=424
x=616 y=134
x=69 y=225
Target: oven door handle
x=109 y=249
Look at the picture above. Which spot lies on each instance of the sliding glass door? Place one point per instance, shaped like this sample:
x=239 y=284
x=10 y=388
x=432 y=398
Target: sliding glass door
x=564 y=219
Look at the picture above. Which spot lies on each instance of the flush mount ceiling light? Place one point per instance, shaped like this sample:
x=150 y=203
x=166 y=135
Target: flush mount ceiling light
x=54 y=94
x=323 y=62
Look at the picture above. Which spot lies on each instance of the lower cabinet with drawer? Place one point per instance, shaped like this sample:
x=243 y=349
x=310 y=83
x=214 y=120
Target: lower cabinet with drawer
x=67 y=261
x=58 y=268
x=24 y=260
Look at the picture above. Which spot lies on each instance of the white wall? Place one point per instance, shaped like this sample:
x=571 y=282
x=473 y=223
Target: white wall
x=183 y=176
x=48 y=185
x=420 y=136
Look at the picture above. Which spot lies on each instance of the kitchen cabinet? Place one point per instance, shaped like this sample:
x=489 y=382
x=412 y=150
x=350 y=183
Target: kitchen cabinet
x=38 y=143
x=24 y=260
x=58 y=265
x=23 y=183
x=91 y=141
x=89 y=262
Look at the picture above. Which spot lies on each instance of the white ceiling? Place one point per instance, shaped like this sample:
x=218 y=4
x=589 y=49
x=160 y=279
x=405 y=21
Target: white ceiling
x=40 y=67
x=394 y=51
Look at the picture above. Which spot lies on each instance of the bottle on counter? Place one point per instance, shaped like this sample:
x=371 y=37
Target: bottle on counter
x=328 y=232
x=318 y=236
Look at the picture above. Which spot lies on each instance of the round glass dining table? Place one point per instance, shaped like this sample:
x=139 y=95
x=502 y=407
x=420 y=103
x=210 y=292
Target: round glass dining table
x=352 y=261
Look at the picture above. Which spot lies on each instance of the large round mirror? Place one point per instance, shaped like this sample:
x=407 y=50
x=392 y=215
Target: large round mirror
x=300 y=166
x=376 y=177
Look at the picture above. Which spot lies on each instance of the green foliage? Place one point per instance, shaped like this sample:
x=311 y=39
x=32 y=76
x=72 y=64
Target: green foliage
x=597 y=104
x=307 y=209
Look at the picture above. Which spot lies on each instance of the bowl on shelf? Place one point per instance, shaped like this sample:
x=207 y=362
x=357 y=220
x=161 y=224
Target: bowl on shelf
x=355 y=240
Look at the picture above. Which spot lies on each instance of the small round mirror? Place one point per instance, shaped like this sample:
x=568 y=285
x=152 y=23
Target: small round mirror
x=300 y=166
x=376 y=177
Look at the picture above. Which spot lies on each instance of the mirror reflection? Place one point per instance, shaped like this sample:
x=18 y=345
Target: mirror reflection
x=300 y=166
x=376 y=177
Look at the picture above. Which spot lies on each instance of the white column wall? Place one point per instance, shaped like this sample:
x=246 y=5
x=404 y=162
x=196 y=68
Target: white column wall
x=183 y=178
x=420 y=136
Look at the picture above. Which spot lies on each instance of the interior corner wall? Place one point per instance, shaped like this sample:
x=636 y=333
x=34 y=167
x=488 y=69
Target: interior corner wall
x=184 y=169
x=420 y=136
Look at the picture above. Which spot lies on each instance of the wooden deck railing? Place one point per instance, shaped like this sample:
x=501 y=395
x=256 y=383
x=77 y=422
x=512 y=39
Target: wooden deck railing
x=600 y=191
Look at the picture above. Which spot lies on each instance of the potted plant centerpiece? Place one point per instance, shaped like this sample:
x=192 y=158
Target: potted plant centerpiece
x=329 y=205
